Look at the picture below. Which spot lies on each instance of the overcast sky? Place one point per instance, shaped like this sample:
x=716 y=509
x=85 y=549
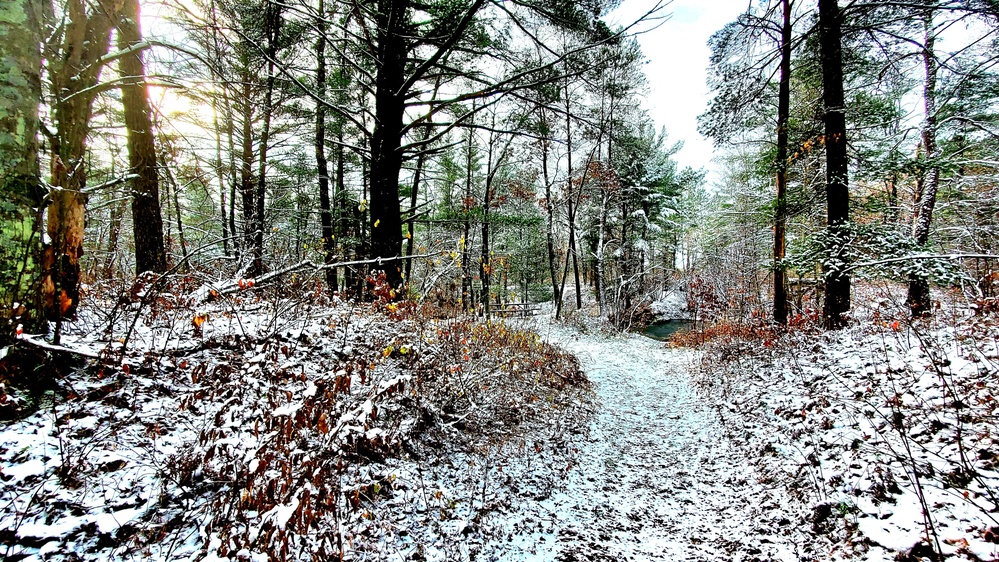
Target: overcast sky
x=677 y=55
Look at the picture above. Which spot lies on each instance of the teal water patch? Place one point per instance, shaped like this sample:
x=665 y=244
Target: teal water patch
x=663 y=329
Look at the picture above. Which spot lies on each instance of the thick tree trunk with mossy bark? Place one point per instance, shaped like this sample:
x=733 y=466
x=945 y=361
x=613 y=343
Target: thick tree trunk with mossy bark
x=74 y=74
x=20 y=186
x=147 y=223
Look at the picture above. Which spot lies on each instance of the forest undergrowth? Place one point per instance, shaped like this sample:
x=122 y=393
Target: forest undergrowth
x=885 y=430
x=276 y=423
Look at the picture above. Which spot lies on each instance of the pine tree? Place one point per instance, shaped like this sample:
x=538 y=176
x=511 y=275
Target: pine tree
x=20 y=186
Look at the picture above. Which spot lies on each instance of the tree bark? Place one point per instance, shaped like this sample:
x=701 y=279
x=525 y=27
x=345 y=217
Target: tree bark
x=467 y=295
x=780 y=214
x=233 y=177
x=626 y=252
x=73 y=76
x=837 y=301
x=602 y=227
x=246 y=183
x=571 y=207
x=322 y=165
x=147 y=223
x=550 y=230
x=220 y=175
x=114 y=233
x=172 y=195
x=230 y=171
x=918 y=298
x=272 y=29
x=20 y=185
x=485 y=264
x=341 y=220
x=386 y=139
x=413 y=196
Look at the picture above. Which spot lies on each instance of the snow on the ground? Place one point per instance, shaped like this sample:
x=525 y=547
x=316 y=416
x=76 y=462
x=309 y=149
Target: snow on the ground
x=655 y=478
x=288 y=429
x=885 y=430
x=294 y=429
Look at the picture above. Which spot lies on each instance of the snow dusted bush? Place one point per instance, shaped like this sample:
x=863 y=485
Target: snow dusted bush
x=293 y=426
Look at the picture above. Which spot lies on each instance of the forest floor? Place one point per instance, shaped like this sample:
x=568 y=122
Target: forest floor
x=254 y=427
x=655 y=477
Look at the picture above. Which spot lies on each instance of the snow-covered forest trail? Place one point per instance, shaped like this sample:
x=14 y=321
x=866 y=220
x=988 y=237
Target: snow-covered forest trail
x=655 y=478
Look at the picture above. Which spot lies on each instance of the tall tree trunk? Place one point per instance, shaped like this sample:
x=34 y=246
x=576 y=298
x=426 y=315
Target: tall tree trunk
x=601 y=241
x=574 y=249
x=415 y=192
x=339 y=200
x=386 y=139
x=246 y=183
x=73 y=77
x=485 y=264
x=550 y=230
x=918 y=297
x=626 y=252
x=147 y=223
x=220 y=175
x=467 y=296
x=571 y=207
x=230 y=127
x=780 y=214
x=643 y=257
x=397 y=35
x=272 y=28
x=116 y=219
x=20 y=183
x=837 y=301
x=173 y=195
x=413 y=196
x=325 y=208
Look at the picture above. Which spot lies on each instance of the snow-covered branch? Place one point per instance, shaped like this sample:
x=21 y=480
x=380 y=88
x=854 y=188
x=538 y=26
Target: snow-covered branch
x=919 y=257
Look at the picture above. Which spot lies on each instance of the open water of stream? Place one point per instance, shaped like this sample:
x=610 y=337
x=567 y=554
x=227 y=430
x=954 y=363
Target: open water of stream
x=663 y=329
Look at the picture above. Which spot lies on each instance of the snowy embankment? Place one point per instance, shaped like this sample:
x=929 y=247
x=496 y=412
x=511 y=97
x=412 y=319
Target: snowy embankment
x=886 y=431
x=284 y=429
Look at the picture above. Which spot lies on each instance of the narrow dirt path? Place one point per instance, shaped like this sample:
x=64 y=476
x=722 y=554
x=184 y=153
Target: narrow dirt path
x=656 y=478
